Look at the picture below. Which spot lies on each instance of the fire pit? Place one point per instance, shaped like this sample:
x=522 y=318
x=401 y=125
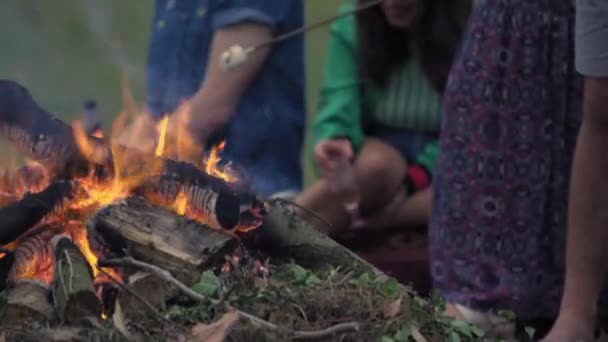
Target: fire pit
x=107 y=242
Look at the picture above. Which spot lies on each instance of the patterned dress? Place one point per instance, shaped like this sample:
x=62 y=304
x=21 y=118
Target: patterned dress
x=511 y=115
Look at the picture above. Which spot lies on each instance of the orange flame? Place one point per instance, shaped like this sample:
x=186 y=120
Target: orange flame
x=212 y=164
x=162 y=135
x=181 y=203
x=79 y=235
x=131 y=166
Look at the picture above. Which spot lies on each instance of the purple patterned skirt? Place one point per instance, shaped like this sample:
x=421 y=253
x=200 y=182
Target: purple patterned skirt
x=511 y=115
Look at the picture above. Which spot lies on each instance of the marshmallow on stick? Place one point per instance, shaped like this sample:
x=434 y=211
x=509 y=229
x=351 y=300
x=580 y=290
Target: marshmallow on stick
x=234 y=57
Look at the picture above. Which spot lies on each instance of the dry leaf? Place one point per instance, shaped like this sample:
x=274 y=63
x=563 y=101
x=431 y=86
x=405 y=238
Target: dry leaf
x=63 y=334
x=393 y=308
x=118 y=318
x=216 y=331
x=417 y=336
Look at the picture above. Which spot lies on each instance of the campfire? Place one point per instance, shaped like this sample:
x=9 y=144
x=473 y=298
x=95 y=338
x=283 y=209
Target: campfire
x=83 y=198
x=99 y=237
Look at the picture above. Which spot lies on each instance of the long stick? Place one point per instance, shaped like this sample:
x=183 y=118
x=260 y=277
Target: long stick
x=166 y=275
x=158 y=315
x=316 y=25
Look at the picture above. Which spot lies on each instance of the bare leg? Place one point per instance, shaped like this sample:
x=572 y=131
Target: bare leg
x=403 y=211
x=380 y=171
x=319 y=199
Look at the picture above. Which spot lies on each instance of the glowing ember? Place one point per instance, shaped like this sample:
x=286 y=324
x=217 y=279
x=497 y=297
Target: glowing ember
x=181 y=203
x=98 y=133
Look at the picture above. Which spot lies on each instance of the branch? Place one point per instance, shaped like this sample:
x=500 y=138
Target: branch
x=166 y=275
x=130 y=291
x=161 y=273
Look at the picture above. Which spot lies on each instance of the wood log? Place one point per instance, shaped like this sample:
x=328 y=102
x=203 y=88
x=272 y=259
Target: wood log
x=45 y=138
x=28 y=300
x=16 y=218
x=34 y=256
x=285 y=234
x=73 y=292
x=15 y=183
x=159 y=236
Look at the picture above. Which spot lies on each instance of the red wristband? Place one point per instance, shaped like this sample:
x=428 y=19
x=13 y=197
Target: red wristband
x=418 y=176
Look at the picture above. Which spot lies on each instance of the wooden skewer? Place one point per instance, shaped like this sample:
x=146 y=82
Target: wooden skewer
x=237 y=55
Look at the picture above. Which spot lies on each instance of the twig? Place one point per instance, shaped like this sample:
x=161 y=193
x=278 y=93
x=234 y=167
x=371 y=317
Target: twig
x=306 y=210
x=316 y=25
x=136 y=296
x=331 y=331
x=161 y=273
x=166 y=275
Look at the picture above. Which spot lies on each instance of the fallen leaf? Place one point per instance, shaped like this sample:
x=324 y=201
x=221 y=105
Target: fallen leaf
x=417 y=336
x=393 y=308
x=208 y=284
x=216 y=331
x=118 y=318
x=63 y=334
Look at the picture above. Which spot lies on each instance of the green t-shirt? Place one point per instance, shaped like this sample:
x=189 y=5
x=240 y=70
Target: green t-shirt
x=408 y=101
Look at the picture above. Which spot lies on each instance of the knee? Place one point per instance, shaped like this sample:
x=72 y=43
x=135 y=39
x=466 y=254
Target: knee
x=379 y=163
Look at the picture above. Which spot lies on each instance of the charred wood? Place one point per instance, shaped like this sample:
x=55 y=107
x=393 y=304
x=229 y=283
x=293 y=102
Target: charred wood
x=159 y=236
x=18 y=217
x=74 y=295
x=7 y=260
x=34 y=257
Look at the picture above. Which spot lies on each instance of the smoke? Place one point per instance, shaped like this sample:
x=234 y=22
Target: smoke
x=100 y=23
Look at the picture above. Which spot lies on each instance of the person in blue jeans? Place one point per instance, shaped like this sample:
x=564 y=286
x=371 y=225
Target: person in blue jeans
x=258 y=107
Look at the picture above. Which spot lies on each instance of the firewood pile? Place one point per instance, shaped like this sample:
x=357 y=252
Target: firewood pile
x=106 y=242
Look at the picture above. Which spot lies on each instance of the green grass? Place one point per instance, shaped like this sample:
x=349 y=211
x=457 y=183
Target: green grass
x=67 y=51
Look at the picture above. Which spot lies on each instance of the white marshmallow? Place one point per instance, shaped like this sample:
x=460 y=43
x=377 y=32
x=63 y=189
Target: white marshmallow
x=233 y=57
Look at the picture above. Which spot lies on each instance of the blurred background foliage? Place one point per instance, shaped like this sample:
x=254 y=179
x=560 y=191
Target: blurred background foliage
x=68 y=51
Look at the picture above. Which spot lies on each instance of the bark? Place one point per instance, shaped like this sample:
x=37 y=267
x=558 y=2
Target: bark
x=285 y=234
x=159 y=236
x=74 y=295
x=28 y=300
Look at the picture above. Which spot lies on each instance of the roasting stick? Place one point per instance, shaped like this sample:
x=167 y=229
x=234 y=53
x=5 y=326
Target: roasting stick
x=237 y=55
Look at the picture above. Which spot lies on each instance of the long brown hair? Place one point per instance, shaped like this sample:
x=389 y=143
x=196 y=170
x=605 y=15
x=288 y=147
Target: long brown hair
x=435 y=34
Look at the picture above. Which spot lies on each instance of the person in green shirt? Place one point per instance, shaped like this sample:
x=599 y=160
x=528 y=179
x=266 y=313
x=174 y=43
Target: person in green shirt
x=379 y=112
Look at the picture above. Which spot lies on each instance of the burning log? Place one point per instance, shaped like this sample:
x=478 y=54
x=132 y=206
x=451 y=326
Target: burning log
x=45 y=138
x=35 y=132
x=161 y=237
x=28 y=300
x=34 y=256
x=16 y=218
x=73 y=292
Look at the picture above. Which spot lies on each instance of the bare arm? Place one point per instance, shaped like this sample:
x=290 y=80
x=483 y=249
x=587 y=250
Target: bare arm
x=221 y=90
